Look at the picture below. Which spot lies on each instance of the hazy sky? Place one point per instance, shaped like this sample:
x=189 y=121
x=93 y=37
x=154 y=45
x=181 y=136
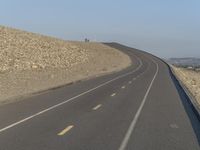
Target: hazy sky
x=167 y=28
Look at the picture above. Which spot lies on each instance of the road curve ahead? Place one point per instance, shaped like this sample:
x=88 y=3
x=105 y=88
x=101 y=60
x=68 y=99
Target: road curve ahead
x=138 y=108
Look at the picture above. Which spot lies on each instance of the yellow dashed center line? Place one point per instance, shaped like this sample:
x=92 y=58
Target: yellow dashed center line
x=97 y=107
x=65 y=130
x=123 y=87
x=113 y=94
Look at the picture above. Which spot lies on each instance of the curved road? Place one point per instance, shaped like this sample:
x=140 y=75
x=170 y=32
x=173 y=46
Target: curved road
x=138 y=108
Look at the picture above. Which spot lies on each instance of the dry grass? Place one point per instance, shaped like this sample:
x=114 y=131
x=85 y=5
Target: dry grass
x=191 y=79
x=31 y=62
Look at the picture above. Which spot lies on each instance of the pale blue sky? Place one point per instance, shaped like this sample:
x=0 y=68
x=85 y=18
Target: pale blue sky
x=167 y=28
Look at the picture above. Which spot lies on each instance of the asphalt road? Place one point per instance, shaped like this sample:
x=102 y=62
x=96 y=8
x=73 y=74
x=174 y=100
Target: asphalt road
x=138 y=108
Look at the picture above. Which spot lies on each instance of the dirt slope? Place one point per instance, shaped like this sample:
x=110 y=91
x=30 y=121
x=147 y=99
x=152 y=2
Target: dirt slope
x=31 y=62
x=191 y=79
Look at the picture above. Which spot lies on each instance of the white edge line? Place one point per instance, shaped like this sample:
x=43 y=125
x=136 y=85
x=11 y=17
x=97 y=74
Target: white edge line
x=133 y=123
x=59 y=104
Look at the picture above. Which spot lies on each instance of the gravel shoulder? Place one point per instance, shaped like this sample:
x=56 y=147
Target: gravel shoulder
x=30 y=63
x=191 y=79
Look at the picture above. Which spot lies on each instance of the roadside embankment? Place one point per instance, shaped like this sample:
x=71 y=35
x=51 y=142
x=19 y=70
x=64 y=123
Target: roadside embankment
x=30 y=63
x=191 y=80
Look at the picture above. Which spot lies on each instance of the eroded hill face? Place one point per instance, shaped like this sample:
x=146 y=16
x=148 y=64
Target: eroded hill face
x=24 y=51
x=31 y=62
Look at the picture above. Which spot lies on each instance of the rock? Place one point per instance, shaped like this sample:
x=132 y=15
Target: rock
x=34 y=66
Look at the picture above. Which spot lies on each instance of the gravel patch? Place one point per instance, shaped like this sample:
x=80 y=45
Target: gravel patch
x=31 y=63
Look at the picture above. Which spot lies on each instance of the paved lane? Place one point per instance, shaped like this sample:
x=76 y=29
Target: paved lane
x=137 y=108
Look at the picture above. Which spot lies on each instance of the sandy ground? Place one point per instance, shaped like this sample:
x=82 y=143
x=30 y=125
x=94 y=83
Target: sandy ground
x=191 y=79
x=30 y=62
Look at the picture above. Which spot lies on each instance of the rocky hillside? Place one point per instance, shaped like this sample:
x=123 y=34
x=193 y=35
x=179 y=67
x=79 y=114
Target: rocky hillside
x=25 y=51
x=31 y=62
x=191 y=79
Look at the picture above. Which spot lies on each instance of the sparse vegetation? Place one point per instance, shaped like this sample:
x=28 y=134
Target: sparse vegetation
x=191 y=79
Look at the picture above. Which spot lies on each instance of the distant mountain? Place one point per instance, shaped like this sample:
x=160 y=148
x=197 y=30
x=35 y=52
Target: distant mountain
x=185 y=62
